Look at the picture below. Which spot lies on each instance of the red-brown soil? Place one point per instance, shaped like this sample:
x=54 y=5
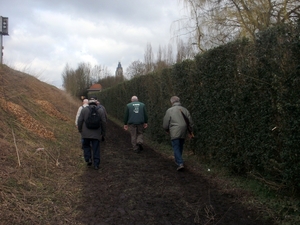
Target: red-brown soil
x=145 y=188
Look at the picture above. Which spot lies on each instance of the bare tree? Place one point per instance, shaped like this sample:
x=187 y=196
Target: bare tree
x=184 y=51
x=82 y=78
x=68 y=81
x=76 y=82
x=216 y=22
x=97 y=72
x=161 y=60
x=193 y=25
x=148 y=59
x=136 y=68
x=159 y=55
x=169 y=56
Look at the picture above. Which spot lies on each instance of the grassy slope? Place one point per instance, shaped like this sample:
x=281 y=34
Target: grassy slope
x=38 y=142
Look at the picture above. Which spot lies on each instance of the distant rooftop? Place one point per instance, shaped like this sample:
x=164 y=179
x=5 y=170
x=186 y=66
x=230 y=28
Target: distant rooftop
x=95 y=87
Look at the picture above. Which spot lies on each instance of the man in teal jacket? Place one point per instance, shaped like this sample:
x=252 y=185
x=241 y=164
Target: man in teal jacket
x=135 y=121
x=174 y=123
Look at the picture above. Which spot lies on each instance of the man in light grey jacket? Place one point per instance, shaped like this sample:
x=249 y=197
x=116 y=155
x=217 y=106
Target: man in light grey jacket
x=174 y=123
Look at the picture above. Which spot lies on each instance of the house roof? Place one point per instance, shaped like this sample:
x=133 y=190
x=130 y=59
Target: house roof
x=95 y=87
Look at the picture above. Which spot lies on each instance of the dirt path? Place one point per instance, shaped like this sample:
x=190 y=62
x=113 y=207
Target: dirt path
x=145 y=188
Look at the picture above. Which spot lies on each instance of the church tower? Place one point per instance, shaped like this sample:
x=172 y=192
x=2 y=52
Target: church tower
x=119 y=71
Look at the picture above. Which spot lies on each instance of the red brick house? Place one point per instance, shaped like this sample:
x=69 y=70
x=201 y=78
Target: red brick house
x=94 y=88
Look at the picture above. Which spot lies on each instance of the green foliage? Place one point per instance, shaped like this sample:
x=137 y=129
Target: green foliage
x=244 y=99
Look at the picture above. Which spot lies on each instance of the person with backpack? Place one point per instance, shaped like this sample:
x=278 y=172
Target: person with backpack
x=136 y=120
x=178 y=123
x=91 y=122
x=103 y=133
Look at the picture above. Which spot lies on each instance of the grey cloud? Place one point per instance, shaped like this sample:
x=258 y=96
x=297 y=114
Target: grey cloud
x=56 y=32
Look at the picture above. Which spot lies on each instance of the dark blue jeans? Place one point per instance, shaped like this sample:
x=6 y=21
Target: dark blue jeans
x=90 y=146
x=177 y=145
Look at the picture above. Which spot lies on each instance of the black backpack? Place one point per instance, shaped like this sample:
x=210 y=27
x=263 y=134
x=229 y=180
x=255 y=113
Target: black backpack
x=94 y=120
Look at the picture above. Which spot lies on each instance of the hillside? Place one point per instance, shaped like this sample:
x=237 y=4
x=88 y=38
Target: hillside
x=43 y=178
x=36 y=129
x=31 y=110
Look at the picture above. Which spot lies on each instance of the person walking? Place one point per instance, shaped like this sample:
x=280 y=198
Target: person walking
x=84 y=104
x=91 y=136
x=175 y=124
x=135 y=121
x=103 y=132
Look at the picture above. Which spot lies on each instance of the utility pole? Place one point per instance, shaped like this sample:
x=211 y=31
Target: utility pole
x=1 y=42
x=3 y=31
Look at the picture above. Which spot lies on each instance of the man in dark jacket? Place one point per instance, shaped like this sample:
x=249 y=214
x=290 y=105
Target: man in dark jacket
x=175 y=124
x=135 y=120
x=103 y=132
x=91 y=137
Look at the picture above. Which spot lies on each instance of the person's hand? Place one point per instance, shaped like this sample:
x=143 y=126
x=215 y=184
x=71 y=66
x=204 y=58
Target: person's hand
x=191 y=136
x=125 y=127
x=145 y=125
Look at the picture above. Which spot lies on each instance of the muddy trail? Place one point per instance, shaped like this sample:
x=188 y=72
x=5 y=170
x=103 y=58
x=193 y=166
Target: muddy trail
x=145 y=188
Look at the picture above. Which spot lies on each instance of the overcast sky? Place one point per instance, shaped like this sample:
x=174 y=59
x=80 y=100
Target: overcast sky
x=45 y=35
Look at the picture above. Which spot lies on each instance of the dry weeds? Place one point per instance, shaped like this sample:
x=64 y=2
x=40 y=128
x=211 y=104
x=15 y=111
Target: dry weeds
x=27 y=120
x=51 y=110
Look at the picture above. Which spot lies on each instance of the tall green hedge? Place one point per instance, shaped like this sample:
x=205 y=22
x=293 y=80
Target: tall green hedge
x=244 y=98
